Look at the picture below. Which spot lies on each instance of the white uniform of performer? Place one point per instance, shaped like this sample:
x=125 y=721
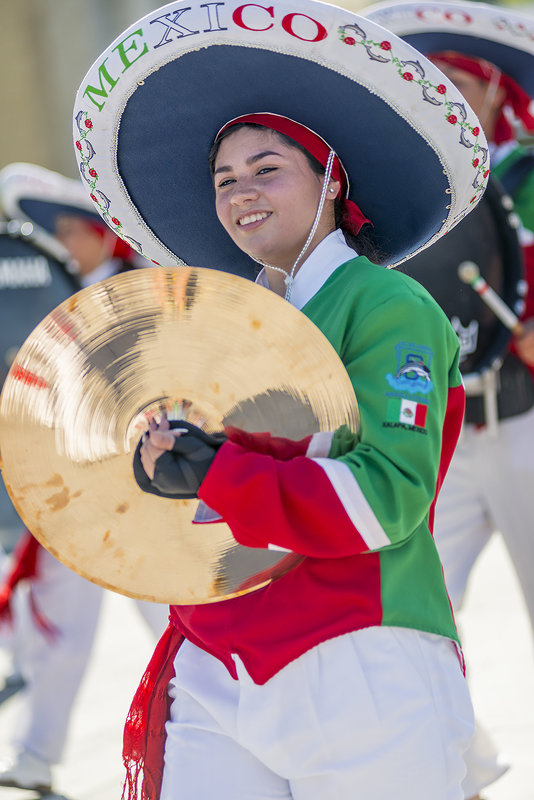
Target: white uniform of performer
x=489 y=484
x=250 y=750
x=488 y=489
x=53 y=667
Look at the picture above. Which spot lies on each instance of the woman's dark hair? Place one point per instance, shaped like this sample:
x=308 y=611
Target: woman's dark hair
x=362 y=243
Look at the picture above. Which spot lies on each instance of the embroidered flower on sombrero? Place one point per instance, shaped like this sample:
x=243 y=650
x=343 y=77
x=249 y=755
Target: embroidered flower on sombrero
x=426 y=85
x=96 y=195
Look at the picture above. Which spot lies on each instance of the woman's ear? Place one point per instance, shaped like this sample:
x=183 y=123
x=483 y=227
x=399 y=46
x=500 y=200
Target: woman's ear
x=333 y=189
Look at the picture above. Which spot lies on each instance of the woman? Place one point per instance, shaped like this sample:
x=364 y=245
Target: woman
x=329 y=620
x=343 y=677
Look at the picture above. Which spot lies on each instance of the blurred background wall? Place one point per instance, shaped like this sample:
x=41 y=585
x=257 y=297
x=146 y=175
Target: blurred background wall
x=46 y=47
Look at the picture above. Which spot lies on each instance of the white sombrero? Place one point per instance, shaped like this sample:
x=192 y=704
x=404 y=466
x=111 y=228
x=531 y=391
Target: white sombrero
x=149 y=108
x=32 y=193
x=496 y=34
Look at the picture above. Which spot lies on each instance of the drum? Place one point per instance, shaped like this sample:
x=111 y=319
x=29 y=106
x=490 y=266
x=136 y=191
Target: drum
x=488 y=237
x=33 y=281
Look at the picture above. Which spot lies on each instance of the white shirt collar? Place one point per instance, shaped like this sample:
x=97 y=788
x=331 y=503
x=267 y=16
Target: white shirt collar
x=103 y=271
x=330 y=253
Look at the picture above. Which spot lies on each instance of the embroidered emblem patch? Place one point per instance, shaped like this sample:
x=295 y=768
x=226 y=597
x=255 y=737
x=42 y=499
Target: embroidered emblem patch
x=413 y=369
x=406 y=412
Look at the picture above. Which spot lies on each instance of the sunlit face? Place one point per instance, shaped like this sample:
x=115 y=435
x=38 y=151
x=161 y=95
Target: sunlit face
x=267 y=195
x=481 y=96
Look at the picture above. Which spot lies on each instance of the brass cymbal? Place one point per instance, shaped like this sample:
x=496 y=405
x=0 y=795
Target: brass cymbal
x=203 y=345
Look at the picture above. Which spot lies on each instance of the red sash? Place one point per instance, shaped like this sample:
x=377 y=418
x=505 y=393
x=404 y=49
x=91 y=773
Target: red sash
x=144 y=732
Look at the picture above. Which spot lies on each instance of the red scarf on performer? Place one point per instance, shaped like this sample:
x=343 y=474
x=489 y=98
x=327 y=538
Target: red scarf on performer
x=516 y=99
x=144 y=732
x=24 y=567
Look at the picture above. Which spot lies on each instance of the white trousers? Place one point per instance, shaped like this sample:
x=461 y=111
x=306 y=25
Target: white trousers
x=380 y=713
x=489 y=488
x=54 y=668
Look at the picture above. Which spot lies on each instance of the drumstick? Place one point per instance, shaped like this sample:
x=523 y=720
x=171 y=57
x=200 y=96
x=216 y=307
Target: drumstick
x=469 y=273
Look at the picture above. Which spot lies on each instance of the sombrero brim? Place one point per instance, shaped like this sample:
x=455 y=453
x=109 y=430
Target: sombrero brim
x=35 y=194
x=503 y=37
x=45 y=213
x=413 y=149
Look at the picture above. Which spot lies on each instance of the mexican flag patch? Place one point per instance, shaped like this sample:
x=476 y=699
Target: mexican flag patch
x=407 y=412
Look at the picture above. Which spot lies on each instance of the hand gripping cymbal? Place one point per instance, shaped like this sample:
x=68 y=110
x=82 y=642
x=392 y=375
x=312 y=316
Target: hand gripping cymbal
x=204 y=346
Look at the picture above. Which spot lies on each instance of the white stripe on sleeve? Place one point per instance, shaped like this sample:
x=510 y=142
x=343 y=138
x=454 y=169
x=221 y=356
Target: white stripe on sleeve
x=354 y=502
x=320 y=444
x=280 y=549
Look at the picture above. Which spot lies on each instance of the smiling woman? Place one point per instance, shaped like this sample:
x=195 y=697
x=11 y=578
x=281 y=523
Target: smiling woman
x=267 y=197
x=268 y=183
x=342 y=677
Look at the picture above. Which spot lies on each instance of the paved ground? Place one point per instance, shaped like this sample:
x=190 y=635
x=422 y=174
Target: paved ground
x=499 y=648
x=501 y=661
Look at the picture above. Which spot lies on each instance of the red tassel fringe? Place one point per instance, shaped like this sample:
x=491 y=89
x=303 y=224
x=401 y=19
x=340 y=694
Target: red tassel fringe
x=144 y=731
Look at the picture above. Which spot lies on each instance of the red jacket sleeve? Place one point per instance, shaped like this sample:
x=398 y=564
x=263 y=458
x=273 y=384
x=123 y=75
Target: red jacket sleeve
x=303 y=515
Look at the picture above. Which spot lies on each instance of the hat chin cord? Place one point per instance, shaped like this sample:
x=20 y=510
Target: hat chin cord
x=289 y=276
x=491 y=91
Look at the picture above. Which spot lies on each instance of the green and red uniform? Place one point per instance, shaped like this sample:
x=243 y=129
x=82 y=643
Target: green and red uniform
x=361 y=510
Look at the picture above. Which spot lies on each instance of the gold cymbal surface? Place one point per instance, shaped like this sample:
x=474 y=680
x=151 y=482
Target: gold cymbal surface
x=200 y=344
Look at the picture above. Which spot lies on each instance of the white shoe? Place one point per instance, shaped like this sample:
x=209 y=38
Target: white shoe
x=26 y=771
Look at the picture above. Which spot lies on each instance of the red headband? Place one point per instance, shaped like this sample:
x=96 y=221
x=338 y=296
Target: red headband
x=516 y=98
x=353 y=218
